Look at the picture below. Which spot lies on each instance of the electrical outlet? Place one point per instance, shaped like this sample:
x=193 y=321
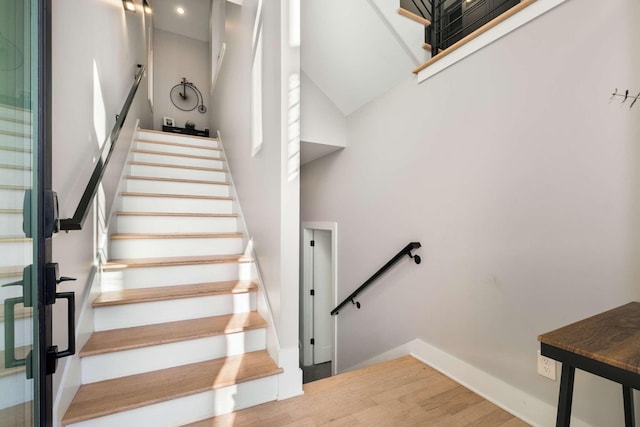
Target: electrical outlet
x=546 y=367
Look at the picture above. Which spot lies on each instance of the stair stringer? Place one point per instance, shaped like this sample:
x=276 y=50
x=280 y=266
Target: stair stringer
x=71 y=374
x=290 y=381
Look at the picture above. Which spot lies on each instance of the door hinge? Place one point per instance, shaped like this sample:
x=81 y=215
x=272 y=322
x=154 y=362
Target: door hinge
x=313 y=243
x=312 y=292
x=313 y=341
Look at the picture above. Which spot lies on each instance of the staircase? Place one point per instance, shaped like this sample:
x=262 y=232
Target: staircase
x=177 y=336
x=15 y=253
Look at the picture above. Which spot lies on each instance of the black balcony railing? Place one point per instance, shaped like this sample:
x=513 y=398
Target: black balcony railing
x=452 y=20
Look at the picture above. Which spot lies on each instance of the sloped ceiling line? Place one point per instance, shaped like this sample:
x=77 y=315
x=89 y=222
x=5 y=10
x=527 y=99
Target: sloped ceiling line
x=394 y=33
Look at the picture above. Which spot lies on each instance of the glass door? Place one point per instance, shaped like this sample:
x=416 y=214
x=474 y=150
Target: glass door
x=20 y=189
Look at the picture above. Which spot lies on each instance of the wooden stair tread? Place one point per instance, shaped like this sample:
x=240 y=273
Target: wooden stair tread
x=17 y=149
x=408 y=14
x=163 y=333
x=178 y=134
x=188 y=181
x=16 y=134
x=119 y=264
x=20 y=353
x=17 y=416
x=15 y=167
x=149 y=236
x=166 y=165
x=20 y=312
x=11 y=271
x=14 y=239
x=179 y=214
x=132 y=296
x=176 y=144
x=135 y=391
x=14 y=187
x=167 y=153
x=176 y=196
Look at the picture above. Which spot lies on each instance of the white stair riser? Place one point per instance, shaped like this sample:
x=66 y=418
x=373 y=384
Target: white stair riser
x=11 y=176
x=12 y=157
x=15 y=127
x=9 y=291
x=180 y=173
x=178 y=139
x=11 y=223
x=175 y=160
x=11 y=140
x=175 y=205
x=179 y=149
x=23 y=329
x=19 y=391
x=11 y=199
x=9 y=112
x=192 y=408
x=151 y=313
x=145 y=277
x=137 y=361
x=159 y=248
x=169 y=187
x=15 y=253
x=175 y=224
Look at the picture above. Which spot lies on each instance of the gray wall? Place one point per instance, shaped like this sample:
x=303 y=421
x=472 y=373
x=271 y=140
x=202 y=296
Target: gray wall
x=96 y=47
x=521 y=181
x=175 y=57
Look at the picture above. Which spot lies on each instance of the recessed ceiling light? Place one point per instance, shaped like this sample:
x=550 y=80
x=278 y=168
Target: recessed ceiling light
x=180 y=10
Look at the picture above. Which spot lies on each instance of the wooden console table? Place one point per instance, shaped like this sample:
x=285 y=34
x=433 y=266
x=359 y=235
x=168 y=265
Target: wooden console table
x=607 y=345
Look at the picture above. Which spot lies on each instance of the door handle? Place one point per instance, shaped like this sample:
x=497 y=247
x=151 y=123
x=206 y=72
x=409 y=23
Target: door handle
x=52 y=279
x=10 y=360
x=71 y=326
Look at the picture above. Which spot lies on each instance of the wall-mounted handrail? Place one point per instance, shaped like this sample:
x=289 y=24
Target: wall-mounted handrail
x=405 y=251
x=75 y=223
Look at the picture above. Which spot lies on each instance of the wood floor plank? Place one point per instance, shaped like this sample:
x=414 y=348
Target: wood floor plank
x=149 y=335
x=162 y=293
x=379 y=395
x=120 y=264
x=120 y=394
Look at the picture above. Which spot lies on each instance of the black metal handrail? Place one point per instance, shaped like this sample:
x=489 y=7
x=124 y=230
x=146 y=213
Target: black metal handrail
x=405 y=251
x=75 y=223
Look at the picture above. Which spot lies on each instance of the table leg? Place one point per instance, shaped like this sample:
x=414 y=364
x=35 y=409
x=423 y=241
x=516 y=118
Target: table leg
x=629 y=410
x=566 y=396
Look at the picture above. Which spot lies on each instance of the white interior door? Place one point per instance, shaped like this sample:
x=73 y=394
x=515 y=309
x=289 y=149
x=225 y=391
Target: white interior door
x=322 y=299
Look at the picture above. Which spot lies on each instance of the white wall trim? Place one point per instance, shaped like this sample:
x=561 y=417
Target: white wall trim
x=333 y=227
x=516 y=21
x=513 y=400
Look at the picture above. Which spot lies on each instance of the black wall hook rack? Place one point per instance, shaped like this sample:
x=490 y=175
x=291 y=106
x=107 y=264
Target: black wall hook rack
x=625 y=97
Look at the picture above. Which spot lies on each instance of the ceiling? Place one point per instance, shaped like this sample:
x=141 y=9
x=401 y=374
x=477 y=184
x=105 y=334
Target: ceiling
x=354 y=50
x=194 y=23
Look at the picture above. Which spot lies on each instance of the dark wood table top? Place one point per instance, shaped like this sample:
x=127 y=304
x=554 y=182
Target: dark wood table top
x=612 y=337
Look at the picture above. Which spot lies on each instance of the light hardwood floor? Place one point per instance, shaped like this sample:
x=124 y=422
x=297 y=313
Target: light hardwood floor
x=402 y=392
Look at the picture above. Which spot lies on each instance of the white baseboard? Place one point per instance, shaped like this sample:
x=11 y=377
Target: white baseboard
x=518 y=402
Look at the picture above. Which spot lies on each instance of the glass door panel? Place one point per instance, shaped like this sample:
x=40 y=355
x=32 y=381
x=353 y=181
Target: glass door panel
x=18 y=175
